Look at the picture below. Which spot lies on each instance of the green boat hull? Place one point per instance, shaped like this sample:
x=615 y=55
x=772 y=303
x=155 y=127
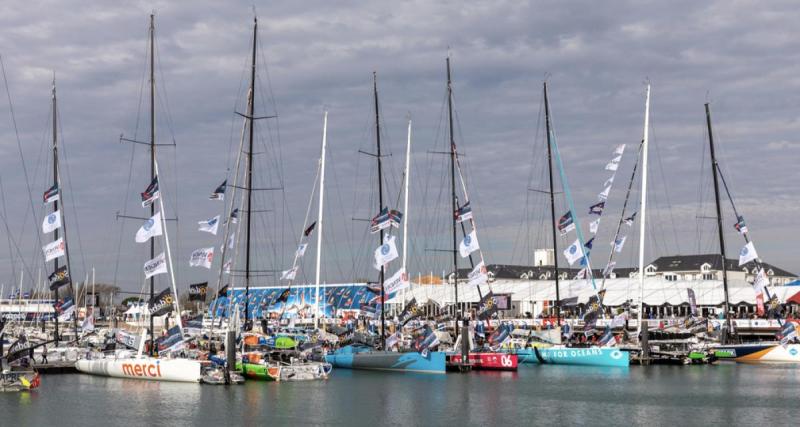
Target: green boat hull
x=259 y=371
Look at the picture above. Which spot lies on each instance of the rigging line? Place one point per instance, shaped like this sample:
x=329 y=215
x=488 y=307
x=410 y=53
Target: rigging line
x=12 y=241
x=125 y=199
x=167 y=111
x=19 y=146
x=8 y=231
x=43 y=145
x=666 y=188
x=63 y=151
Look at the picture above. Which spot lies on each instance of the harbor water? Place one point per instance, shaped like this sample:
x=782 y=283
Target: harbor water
x=726 y=394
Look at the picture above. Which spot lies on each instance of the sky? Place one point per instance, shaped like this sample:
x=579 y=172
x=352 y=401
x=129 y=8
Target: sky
x=314 y=56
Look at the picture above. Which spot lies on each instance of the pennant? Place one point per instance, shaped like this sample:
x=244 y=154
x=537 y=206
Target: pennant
x=289 y=274
x=469 y=244
x=235 y=216
x=202 y=257
x=500 y=336
x=51 y=222
x=385 y=219
x=150 y=228
x=226 y=268
x=88 y=322
x=301 y=250
x=581 y=274
x=59 y=278
x=161 y=304
x=788 y=333
x=463 y=213
x=393 y=339
x=760 y=305
x=209 y=226
x=609 y=269
x=157 y=265
x=609 y=181
x=597 y=209
x=774 y=307
x=65 y=310
x=614 y=163
x=629 y=220
x=197 y=291
x=223 y=292
x=430 y=340
x=219 y=193
x=603 y=196
x=151 y=193
x=54 y=250
x=589 y=243
x=478 y=276
x=740 y=226
x=486 y=307
x=619 y=243
x=608 y=340
x=620 y=149
x=594 y=226
x=397 y=282
x=566 y=223
x=172 y=341
x=231 y=240
x=692 y=302
x=411 y=311
x=386 y=252
x=284 y=296
x=747 y=254
x=574 y=252
x=761 y=281
x=310 y=229
x=51 y=195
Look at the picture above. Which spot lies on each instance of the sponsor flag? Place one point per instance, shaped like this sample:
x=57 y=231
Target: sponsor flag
x=430 y=340
x=284 y=296
x=209 y=225
x=235 y=216
x=223 y=292
x=608 y=340
x=747 y=254
x=574 y=252
x=760 y=304
x=157 y=265
x=761 y=281
x=619 y=242
x=620 y=149
x=310 y=229
x=151 y=193
x=51 y=195
x=161 y=304
x=581 y=274
x=740 y=226
x=480 y=330
x=202 y=257
x=197 y=291
x=569 y=301
x=788 y=333
x=500 y=336
x=392 y=340
x=289 y=274
x=629 y=220
x=173 y=341
x=478 y=276
x=219 y=193
x=54 y=249
x=411 y=311
x=88 y=322
x=609 y=269
x=597 y=208
x=51 y=222
x=594 y=226
x=150 y=228
x=692 y=302
x=619 y=320
x=603 y=195
x=226 y=268
x=463 y=213
x=566 y=223
x=301 y=250
x=385 y=219
x=486 y=307
x=59 y=278
x=614 y=163
x=397 y=282
x=65 y=310
x=774 y=307
x=469 y=244
x=386 y=252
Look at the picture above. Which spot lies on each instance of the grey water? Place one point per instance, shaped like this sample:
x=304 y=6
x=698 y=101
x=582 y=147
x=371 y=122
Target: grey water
x=725 y=394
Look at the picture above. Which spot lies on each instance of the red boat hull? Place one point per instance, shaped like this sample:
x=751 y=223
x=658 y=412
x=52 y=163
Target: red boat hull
x=487 y=361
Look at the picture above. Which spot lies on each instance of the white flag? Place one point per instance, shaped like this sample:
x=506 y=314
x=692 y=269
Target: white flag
x=603 y=196
x=613 y=164
x=760 y=282
x=747 y=254
x=397 y=282
x=574 y=252
x=301 y=250
x=51 y=222
x=209 y=226
x=469 y=244
x=478 y=276
x=157 y=265
x=594 y=225
x=150 y=228
x=581 y=274
x=231 y=240
x=620 y=149
x=619 y=243
x=54 y=250
x=202 y=257
x=386 y=252
x=609 y=181
x=226 y=268
x=289 y=274
x=609 y=269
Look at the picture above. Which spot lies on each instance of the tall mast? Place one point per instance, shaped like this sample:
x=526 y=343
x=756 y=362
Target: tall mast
x=453 y=188
x=380 y=200
x=319 y=215
x=153 y=349
x=643 y=208
x=552 y=202
x=714 y=169
x=250 y=108
x=405 y=206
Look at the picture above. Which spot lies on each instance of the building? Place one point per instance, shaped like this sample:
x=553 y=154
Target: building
x=709 y=267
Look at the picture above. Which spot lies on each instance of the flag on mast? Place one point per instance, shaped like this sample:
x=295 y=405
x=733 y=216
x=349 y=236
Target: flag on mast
x=202 y=257
x=574 y=252
x=157 y=265
x=151 y=193
x=150 y=228
x=51 y=222
x=469 y=244
x=54 y=249
x=51 y=195
x=219 y=193
x=209 y=225
x=747 y=254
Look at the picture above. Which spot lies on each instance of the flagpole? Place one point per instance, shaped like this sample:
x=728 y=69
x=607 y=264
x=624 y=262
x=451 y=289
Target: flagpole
x=405 y=206
x=169 y=256
x=643 y=208
x=319 y=215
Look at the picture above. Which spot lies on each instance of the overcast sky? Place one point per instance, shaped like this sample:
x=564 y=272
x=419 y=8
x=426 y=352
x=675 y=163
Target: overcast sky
x=740 y=56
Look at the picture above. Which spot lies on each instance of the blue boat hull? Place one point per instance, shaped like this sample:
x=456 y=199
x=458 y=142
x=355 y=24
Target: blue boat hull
x=591 y=356
x=354 y=358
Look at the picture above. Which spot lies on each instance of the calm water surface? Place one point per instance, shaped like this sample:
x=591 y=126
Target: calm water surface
x=726 y=394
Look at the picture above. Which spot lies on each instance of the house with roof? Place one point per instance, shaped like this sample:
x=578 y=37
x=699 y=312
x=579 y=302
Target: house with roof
x=709 y=267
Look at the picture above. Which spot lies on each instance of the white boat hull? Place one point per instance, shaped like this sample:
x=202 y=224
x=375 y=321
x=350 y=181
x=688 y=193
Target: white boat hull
x=143 y=368
x=774 y=354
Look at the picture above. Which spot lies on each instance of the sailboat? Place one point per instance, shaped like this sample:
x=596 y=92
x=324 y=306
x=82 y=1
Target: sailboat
x=756 y=352
x=562 y=354
x=366 y=357
x=124 y=363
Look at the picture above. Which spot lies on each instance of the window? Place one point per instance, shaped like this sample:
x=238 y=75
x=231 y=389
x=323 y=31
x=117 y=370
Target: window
x=708 y=276
x=705 y=267
x=671 y=277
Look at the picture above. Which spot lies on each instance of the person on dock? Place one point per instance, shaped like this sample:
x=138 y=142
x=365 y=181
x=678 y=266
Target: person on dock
x=44 y=355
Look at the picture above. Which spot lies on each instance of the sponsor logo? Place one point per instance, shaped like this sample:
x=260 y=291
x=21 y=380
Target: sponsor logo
x=142 y=369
